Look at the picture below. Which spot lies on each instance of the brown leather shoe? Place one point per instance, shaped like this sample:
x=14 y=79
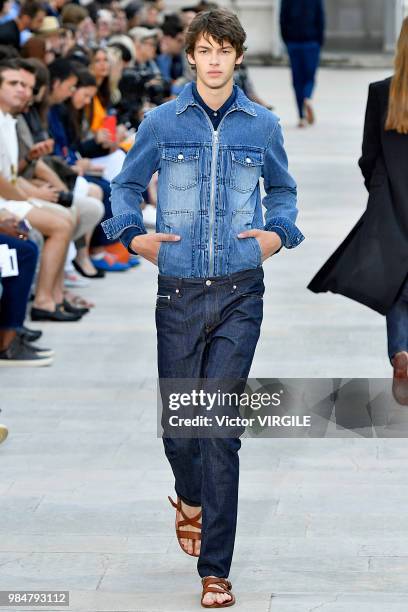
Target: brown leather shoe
x=3 y=433
x=400 y=381
x=183 y=533
x=217 y=585
x=309 y=112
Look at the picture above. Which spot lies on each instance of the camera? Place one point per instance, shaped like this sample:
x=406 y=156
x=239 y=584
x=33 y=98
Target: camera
x=138 y=87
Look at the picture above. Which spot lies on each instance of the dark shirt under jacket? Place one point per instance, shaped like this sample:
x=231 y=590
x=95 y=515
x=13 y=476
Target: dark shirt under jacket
x=215 y=115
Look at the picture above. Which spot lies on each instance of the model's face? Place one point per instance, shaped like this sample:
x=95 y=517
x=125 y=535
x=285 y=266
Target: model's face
x=214 y=63
x=100 y=65
x=83 y=96
x=12 y=91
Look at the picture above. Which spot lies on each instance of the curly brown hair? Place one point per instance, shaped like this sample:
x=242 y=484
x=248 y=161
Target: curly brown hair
x=221 y=24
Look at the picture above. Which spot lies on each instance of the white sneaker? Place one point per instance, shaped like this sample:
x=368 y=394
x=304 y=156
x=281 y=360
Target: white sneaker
x=3 y=433
x=149 y=216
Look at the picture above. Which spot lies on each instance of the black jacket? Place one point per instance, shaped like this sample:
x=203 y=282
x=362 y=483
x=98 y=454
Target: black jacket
x=302 y=21
x=371 y=265
x=10 y=34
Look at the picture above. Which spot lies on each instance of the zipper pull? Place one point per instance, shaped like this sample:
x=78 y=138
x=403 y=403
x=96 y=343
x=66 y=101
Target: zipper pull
x=216 y=136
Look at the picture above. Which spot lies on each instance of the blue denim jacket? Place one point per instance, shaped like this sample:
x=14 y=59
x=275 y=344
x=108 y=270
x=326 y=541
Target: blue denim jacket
x=208 y=186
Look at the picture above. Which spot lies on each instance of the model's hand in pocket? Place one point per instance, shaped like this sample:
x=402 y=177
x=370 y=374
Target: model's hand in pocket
x=269 y=242
x=148 y=245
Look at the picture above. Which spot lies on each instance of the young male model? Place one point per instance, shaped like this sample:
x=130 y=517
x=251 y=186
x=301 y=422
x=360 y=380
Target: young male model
x=210 y=145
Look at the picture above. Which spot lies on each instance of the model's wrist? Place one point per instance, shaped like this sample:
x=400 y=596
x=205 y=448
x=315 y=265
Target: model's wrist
x=277 y=238
x=136 y=244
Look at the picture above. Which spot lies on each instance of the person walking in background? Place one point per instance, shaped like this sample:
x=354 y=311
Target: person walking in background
x=371 y=265
x=302 y=28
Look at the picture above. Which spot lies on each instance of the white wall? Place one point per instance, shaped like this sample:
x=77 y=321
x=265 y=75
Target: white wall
x=260 y=19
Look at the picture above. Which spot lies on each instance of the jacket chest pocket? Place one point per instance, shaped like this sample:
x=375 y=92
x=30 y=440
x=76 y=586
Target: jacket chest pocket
x=246 y=170
x=181 y=164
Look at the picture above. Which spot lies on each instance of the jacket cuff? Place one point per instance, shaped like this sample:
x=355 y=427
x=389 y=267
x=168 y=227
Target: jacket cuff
x=290 y=235
x=127 y=236
x=115 y=226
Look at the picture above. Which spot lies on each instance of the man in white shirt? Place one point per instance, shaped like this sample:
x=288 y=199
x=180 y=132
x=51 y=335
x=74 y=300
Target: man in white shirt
x=53 y=221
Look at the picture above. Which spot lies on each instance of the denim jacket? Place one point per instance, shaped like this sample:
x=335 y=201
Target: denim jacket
x=208 y=185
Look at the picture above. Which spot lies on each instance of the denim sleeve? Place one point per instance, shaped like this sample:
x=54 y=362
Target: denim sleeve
x=140 y=164
x=281 y=193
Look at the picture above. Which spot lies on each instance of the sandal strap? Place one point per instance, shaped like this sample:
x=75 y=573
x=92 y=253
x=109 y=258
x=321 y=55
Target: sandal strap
x=188 y=535
x=222 y=585
x=189 y=522
x=193 y=520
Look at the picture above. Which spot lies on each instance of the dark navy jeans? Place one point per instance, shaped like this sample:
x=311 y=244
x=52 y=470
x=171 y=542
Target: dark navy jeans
x=304 y=60
x=397 y=324
x=16 y=289
x=99 y=237
x=209 y=328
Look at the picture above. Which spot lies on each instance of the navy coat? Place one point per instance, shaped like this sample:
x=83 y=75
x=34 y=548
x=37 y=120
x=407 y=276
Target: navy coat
x=302 y=21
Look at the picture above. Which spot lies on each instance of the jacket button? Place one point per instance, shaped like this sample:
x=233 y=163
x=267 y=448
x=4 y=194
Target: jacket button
x=208 y=283
x=180 y=156
x=248 y=160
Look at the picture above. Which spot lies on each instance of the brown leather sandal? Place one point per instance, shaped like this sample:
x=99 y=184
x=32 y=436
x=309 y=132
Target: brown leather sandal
x=220 y=585
x=184 y=534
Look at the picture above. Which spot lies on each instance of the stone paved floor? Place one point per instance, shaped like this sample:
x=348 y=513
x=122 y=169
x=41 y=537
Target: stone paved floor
x=323 y=524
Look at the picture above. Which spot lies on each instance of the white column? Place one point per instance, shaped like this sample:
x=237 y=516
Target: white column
x=395 y=11
x=277 y=44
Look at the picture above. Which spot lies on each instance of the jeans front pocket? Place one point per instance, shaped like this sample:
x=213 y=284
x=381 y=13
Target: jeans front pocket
x=181 y=165
x=177 y=258
x=244 y=253
x=246 y=170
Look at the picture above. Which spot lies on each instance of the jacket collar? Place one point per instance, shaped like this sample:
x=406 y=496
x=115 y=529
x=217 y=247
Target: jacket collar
x=186 y=98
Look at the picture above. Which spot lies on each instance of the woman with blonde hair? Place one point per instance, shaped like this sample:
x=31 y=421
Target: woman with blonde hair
x=371 y=265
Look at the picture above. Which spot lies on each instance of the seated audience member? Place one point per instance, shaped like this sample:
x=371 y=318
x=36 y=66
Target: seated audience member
x=38 y=48
x=73 y=146
x=53 y=221
x=52 y=33
x=171 y=60
x=30 y=18
x=104 y=27
x=133 y=12
x=77 y=17
x=86 y=203
x=102 y=105
x=14 y=348
x=150 y=14
x=120 y=23
x=54 y=7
